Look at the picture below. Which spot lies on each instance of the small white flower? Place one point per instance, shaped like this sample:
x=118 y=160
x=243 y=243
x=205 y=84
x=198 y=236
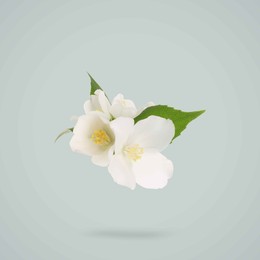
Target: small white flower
x=98 y=102
x=120 y=106
x=137 y=157
x=123 y=107
x=93 y=136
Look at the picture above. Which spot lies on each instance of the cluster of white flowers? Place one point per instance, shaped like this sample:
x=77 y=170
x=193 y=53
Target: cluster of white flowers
x=132 y=152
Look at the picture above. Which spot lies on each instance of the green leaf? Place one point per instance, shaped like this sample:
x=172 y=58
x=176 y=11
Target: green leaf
x=66 y=131
x=179 y=118
x=94 y=85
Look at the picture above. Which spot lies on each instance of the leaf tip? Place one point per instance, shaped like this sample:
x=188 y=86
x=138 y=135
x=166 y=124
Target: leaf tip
x=91 y=78
x=56 y=139
x=202 y=112
x=66 y=131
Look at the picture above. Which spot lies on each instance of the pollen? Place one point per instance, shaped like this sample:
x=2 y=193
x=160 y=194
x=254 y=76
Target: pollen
x=134 y=152
x=100 y=137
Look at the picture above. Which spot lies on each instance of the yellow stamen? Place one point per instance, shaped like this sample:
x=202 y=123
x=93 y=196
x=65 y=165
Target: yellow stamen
x=134 y=152
x=100 y=137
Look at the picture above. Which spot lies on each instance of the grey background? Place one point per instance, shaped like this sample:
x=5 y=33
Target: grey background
x=190 y=54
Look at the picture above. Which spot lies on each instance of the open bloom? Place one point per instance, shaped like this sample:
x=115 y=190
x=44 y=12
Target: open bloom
x=93 y=136
x=138 y=147
x=98 y=102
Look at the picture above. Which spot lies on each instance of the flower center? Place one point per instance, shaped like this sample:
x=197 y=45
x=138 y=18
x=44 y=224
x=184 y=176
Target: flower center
x=134 y=152
x=100 y=137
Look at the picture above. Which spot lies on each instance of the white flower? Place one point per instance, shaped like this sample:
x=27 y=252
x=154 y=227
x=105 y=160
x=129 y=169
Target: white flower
x=98 y=102
x=123 y=107
x=119 y=107
x=137 y=157
x=93 y=136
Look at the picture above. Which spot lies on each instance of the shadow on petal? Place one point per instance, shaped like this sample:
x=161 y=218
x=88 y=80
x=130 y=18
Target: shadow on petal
x=123 y=233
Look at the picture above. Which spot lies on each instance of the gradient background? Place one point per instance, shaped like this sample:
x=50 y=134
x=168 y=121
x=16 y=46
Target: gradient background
x=190 y=54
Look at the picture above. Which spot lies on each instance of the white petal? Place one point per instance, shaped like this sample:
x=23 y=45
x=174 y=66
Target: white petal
x=121 y=172
x=103 y=158
x=118 y=97
x=103 y=102
x=83 y=145
x=88 y=123
x=153 y=132
x=123 y=107
x=81 y=141
x=88 y=106
x=118 y=110
x=95 y=103
x=152 y=171
x=122 y=127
